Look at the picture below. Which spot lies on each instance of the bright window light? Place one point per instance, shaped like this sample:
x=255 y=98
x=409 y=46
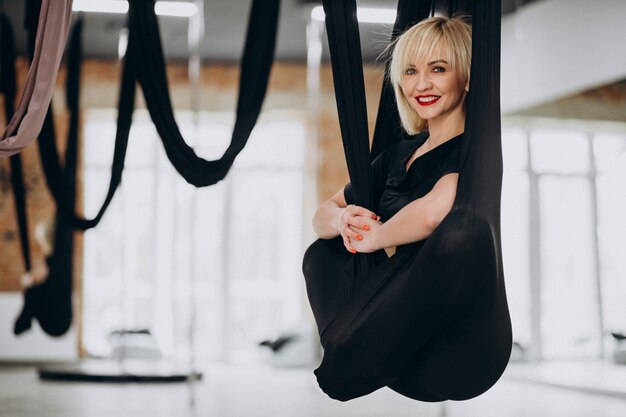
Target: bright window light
x=175 y=8
x=162 y=8
x=363 y=14
x=100 y=6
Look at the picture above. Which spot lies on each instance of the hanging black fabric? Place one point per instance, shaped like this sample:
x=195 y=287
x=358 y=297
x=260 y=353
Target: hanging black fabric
x=258 y=53
x=388 y=129
x=144 y=48
x=51 y=301
x=58 y=183
x=432 y=321
x=8 y=85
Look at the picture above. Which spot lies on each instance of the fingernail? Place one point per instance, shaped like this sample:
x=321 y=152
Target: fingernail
x=353 y=250
x=359 y=237
x=377 y=217
x=366 y=227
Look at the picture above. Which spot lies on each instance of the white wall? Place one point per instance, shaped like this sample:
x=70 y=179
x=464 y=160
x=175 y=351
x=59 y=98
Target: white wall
x=556 y=48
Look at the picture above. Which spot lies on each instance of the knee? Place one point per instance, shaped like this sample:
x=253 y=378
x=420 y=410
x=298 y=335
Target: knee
x=320 y=254
x=344 y=374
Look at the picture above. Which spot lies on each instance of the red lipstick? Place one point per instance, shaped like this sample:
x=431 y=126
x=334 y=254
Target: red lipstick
x=430 y=99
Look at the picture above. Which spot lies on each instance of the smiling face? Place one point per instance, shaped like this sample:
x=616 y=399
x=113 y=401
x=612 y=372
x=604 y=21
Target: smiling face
x=433 y=88
x=429 y=71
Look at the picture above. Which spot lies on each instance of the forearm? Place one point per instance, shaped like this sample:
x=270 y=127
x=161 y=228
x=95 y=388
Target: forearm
x=325 y=220
x=417 y=220
x=412 y=223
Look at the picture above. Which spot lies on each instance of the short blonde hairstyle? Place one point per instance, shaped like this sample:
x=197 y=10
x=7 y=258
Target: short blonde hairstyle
x=422 y=40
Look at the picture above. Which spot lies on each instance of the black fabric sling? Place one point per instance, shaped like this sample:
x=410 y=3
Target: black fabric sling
x=144 y=48
x=8 y=85
x=432 y=321
x=51 y=301
x=388 y=129
x=258 y=56
x=59 y=183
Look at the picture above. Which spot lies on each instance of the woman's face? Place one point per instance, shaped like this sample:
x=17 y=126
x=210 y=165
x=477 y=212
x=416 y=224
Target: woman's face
x=433 y=89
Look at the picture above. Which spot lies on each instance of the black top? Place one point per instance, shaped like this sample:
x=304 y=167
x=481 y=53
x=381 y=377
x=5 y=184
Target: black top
x=395 y=186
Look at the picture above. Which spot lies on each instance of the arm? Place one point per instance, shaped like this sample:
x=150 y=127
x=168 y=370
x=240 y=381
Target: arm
x=335 y=217
x=414 y=222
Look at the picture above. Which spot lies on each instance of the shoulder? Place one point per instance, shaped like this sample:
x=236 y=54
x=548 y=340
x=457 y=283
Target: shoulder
x=452 y=160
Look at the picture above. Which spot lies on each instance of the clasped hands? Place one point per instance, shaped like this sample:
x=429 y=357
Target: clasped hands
x=358 y=227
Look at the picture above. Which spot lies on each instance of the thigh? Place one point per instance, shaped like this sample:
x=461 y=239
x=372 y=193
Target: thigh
x=327 y=285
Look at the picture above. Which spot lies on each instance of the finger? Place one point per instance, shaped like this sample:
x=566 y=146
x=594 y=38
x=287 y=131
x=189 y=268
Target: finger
x=360 y=211
x=346 y=243
x=357 y=224
x=353 y=233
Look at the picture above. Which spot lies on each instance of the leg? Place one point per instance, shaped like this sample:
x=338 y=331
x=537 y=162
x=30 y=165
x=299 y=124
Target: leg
x=327 y=286
x=406 y=304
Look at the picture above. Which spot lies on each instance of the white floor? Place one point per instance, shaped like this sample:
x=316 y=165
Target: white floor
x=256 y=390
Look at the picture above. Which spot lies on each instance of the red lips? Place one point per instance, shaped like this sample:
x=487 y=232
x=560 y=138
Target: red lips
x=427 y=103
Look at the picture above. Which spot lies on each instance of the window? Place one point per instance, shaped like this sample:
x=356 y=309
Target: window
x=562 y=230
x=223 y=260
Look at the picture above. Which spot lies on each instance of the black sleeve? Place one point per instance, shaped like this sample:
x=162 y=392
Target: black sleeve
x=452 y=163
x=379 y=169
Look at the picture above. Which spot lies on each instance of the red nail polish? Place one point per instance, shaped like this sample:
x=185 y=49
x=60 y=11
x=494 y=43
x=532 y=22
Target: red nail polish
x=359 y=237
x=366 y=227
x=353 y=250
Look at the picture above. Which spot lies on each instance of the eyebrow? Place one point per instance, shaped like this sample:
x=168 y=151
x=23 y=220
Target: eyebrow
x=437 y=62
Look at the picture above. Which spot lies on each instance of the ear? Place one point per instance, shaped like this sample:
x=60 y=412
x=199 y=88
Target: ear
x=467 y=88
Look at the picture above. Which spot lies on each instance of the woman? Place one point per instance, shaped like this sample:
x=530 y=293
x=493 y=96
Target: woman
x=416 y=324
x=430 y=80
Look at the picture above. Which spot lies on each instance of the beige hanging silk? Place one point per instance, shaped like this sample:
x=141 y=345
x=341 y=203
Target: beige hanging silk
x=26 y=123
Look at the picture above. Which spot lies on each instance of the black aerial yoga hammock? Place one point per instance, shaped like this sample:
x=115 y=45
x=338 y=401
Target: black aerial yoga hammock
x=61 y=183
x=144 y=62
x=8 y=86
x=144 y=48
x=51 y=301
x=432 y=321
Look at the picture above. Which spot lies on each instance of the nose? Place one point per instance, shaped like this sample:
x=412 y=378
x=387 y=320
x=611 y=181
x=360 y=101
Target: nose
x=423 y=82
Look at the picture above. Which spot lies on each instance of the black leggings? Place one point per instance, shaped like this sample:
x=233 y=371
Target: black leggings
x=431 y=322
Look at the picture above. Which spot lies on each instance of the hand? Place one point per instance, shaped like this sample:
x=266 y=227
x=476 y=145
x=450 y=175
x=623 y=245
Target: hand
x=352 y=223
x=368 y=242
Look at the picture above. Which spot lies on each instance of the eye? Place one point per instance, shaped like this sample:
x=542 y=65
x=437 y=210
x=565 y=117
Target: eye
x=439 y=69
x=410 y=71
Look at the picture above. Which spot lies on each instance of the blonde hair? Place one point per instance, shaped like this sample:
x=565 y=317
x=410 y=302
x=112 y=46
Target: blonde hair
x=421 y=41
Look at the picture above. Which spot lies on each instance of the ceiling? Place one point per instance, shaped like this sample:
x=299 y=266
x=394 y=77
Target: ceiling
x=225 y=24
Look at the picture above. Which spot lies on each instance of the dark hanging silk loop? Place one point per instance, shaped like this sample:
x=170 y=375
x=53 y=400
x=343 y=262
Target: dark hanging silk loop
x=345 y=51
x=50 y=302
x=145 y=49
x=388 y=129
x=58 y=182
x=346 y=60
x=8 y=85
x=480 y=180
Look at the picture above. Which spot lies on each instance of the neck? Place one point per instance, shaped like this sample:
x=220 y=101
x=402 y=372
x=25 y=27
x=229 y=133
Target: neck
x=442 y=129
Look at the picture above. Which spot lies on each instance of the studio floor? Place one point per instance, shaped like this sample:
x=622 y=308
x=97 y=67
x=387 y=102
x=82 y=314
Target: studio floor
x=258 y=390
